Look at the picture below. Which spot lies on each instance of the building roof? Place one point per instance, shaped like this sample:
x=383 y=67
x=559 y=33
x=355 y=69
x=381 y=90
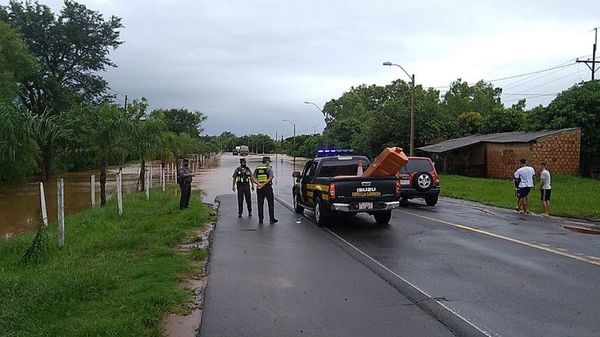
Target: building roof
x=502 y=137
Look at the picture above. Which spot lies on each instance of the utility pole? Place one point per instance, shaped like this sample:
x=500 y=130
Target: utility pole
x=125 y=103
x=593 y=60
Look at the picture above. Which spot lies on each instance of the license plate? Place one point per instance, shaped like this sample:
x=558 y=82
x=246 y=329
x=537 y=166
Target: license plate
x=365 y=205
x=404 y=182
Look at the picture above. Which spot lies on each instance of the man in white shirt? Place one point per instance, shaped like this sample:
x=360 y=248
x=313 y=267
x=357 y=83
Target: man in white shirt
x=545 y=188
x=525 y=175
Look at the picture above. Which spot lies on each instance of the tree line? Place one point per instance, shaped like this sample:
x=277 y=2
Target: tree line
x=369 y=118
x=57 y=112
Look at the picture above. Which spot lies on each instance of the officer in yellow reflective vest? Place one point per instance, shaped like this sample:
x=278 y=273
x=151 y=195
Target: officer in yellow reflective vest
x=263 y=178
x=242 y=179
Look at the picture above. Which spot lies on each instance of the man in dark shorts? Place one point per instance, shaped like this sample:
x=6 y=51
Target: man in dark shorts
x=525 y=174
x=545 y=189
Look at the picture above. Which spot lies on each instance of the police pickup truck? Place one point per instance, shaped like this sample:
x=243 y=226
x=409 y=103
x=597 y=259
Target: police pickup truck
x=329 y=185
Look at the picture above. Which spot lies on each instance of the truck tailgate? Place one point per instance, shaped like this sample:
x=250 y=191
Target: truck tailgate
x=356 y=188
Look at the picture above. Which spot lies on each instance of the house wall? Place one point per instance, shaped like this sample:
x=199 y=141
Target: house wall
x=560 y=152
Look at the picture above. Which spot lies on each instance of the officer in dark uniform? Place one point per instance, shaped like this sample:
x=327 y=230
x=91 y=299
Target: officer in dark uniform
x=263 y=178
x=184 y=178
x=242 y=179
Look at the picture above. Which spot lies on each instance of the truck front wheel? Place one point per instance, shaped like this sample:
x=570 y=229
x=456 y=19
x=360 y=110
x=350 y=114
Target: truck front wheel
x=383 y=218
x=297 y=208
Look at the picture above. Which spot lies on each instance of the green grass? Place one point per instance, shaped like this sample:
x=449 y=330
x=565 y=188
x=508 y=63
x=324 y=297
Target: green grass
x=114 y=277
x=571 y=196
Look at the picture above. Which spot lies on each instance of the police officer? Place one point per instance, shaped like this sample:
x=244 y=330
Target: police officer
x=263 y=178
x=242 y=179
x=184 y=178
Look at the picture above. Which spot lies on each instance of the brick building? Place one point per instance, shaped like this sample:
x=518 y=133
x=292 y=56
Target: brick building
x=497 y=155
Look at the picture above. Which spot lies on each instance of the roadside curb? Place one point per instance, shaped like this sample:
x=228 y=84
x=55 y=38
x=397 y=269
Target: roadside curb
x=188 y=325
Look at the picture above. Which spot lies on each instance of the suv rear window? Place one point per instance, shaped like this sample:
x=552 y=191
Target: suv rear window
x=417 y=165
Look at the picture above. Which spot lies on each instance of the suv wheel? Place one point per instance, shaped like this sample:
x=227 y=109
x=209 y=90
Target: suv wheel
x=431 y=201
x=423 y=181
x=297 y=208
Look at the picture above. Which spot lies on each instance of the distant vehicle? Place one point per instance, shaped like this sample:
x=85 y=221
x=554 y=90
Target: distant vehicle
x=419 y=179
x=236 y=150
x=329 y=185
x=243 y=150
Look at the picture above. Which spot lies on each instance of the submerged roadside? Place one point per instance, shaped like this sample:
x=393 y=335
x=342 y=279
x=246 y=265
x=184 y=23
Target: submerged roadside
x=115 y=276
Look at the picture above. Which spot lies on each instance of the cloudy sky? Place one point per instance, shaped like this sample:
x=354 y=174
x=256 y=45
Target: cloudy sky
x=249 y=64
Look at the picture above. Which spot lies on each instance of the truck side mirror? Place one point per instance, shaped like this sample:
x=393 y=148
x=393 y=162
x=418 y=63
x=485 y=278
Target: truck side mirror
x=296 y=174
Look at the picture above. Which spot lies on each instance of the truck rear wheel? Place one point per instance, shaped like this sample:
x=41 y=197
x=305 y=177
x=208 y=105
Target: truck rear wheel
x=319 y=217
x=383 y=218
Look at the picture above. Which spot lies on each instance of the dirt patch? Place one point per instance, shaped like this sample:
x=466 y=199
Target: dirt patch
x=188 y=324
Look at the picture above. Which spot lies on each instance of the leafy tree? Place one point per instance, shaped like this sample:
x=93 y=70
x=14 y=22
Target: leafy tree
x=71 y=48
x=470 y=122
x=18 y=150
x=505 y=120
x=578 y=106
x=181 y=120
x=16 y=62
x=104 y=134
x=482 y=98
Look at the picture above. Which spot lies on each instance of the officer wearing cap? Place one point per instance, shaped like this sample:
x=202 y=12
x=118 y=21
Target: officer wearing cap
x=184 y=178
x=263 y=178
x=242 y=179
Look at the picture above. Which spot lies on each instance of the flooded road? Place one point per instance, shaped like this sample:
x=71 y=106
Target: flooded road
x=20 y=204
x=217 y=180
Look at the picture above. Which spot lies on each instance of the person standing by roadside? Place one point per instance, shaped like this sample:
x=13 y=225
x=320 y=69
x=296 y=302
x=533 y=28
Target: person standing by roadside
x=525 y=174
x=184 y=178
x=545 y=188
x=263 y=178
x=242 y=179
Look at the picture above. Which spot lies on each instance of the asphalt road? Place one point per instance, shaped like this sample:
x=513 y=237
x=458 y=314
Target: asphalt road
x=478 y=270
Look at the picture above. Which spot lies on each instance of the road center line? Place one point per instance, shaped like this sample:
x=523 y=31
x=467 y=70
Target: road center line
x=558 y=251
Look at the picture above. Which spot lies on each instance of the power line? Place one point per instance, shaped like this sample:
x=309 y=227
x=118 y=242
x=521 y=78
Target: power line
x=532 y=73
x=522 y=81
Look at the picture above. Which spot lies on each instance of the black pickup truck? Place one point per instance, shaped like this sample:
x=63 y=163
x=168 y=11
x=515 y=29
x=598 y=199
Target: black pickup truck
x=329 y=185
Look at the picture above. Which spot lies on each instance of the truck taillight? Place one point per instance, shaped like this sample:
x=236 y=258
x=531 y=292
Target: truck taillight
x=331 y=190
x=398 y=188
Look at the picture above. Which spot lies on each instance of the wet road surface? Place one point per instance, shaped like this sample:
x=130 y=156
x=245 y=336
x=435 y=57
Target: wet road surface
x=505 y=274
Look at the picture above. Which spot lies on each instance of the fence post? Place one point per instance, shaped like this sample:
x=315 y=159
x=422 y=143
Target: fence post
x=60 y=200
x=43 y=206
x=120 y=192
x=93 y=190
x=147 y=185
x=150 y=185
x=163 y=176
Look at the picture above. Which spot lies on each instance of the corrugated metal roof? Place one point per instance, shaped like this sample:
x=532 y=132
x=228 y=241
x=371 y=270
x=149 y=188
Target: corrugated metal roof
x=502 y=137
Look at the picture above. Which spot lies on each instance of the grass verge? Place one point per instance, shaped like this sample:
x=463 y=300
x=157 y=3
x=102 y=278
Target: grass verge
x=116 y=276
x=571 y=196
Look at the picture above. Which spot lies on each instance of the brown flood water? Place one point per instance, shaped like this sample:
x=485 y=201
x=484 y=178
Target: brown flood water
x=20 y=204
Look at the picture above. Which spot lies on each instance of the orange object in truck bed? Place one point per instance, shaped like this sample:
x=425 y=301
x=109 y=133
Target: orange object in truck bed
x=388 y=163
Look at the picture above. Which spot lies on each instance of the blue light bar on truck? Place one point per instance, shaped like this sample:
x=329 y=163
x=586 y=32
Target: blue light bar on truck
x=333 y=152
